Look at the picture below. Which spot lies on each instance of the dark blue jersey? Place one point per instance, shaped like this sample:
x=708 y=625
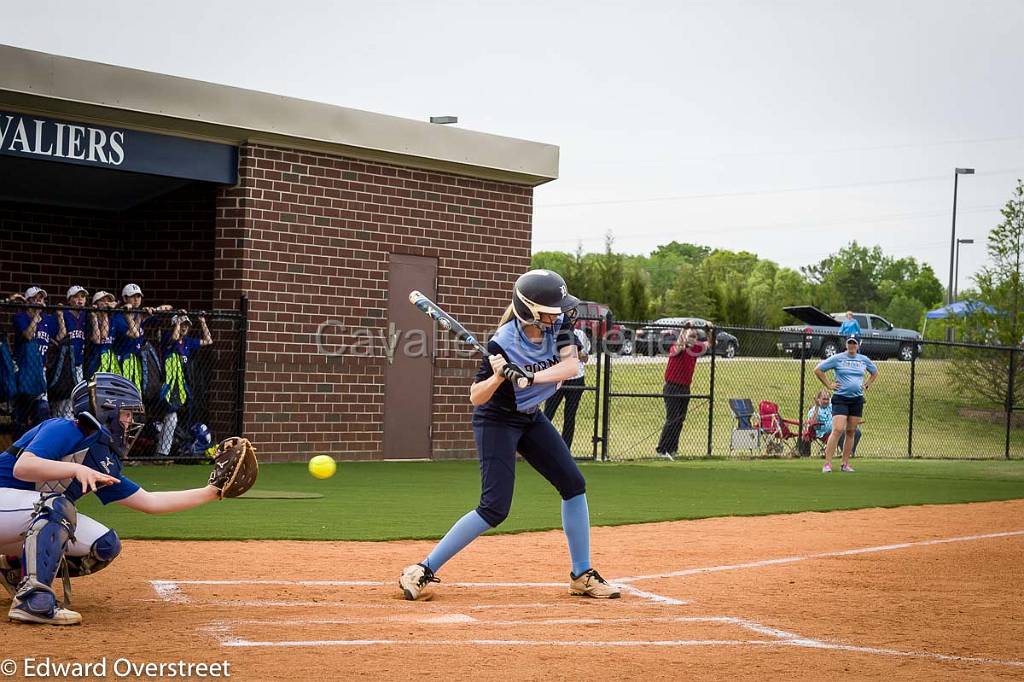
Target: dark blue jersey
x=74 y=323
x=125 y=345
x=46 y=329
x=185 y=346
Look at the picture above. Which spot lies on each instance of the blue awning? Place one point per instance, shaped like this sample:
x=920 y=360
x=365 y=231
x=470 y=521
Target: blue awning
x=959 y=309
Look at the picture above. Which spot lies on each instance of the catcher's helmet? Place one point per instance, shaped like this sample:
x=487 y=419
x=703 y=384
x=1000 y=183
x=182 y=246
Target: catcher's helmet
x=542 y=291
x=100 y=401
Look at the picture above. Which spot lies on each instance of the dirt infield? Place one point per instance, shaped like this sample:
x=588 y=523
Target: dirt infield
x=917 y=592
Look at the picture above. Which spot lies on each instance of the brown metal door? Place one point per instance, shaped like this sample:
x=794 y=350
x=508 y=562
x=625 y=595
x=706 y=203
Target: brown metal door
x=409 y=370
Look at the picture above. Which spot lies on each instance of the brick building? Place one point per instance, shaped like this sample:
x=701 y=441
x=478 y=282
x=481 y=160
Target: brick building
x=324 y=217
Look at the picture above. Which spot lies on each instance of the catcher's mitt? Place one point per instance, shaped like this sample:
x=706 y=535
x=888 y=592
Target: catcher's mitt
x=234 y=467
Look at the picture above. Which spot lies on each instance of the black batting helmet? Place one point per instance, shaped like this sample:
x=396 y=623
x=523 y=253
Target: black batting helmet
x=541 y=291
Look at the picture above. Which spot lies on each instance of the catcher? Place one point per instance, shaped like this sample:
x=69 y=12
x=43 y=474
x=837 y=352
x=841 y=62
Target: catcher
x=57 y=462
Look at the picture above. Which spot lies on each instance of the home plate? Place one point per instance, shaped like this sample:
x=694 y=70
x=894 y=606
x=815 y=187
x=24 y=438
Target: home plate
x=450 y=618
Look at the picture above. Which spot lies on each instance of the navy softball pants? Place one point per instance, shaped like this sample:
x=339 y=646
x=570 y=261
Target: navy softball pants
x=497 y=440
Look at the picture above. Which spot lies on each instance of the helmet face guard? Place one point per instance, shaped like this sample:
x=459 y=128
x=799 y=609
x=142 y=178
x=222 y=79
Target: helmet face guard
x=102 y=399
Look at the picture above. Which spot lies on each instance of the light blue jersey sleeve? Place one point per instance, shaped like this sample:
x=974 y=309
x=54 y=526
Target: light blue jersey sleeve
x=829 y=363
x=868 y=364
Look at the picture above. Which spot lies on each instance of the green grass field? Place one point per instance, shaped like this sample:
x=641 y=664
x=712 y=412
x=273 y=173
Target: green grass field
x=939 y=431
x=388 y=501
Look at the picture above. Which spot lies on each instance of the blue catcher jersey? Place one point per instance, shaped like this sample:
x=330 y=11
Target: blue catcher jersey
x=61 y=440
x=511 y=342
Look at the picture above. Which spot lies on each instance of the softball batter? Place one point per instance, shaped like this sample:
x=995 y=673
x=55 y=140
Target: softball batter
x=535 y=342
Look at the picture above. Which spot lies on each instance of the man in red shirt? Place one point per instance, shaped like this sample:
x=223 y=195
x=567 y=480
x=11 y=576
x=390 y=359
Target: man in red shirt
x=682 y=360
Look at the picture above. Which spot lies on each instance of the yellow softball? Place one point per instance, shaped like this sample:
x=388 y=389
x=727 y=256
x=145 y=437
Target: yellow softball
x=322 y=466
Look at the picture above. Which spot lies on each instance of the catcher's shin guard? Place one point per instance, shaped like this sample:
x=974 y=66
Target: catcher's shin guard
x=51 y=529
x=106 y=548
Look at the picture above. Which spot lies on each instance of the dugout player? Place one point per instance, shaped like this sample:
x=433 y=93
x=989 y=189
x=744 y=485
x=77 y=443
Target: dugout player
x=534 y=342
x=100 y=356
x=71 y=323
x=45 y=473
x=847 y=398
x=127 y=328
x=176 y=347
x=34 y=330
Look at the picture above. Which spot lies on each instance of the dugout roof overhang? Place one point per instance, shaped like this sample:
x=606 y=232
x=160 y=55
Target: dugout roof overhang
x=172 y=108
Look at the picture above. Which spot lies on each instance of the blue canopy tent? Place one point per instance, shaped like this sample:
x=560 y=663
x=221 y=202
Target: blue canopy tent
x=956 y=309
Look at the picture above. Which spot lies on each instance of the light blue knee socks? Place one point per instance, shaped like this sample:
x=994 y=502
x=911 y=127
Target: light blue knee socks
x=576 y=524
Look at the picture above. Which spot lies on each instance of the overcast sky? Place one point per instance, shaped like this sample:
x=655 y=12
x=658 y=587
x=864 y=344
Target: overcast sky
x=784 y=128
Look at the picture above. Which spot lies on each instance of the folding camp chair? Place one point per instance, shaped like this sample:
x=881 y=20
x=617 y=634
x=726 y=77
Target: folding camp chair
x=746 y=435
x=811 y=443
x=776 y=433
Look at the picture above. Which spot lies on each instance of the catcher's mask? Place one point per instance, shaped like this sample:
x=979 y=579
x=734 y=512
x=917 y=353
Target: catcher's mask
x=102 y=399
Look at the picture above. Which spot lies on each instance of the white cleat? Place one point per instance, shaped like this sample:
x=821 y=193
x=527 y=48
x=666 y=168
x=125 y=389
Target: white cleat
x=414 y=580
x=591 y=584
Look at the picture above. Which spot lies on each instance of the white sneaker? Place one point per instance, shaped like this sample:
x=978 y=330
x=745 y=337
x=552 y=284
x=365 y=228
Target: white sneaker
x=20 y=613
x=414 y=580
x=827 y=469
x=666 y=455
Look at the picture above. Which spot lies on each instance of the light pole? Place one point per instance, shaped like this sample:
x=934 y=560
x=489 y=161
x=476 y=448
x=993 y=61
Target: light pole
x=952 y=238
x=956 y=268
x=952 y=244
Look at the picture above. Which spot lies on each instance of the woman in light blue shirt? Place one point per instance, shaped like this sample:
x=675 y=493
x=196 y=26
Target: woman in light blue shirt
x=848 y=399
x=850 y=326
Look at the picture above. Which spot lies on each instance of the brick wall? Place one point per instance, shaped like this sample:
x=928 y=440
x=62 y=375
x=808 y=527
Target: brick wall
x=308 y=237
x=164 y=245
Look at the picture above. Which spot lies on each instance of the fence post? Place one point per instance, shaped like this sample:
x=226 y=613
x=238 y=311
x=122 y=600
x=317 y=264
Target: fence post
x=805 y=341
x=711 y=388
x=600 y=349
x=1010 y=401
x=605 y=389
x=910 y=409
x=243 y=334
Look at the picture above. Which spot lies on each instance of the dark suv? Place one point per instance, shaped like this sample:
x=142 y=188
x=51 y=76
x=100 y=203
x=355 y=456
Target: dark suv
x=658 y=337
x=592 y=318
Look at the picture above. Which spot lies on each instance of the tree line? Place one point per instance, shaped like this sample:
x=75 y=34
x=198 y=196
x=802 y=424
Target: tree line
x=739 y=288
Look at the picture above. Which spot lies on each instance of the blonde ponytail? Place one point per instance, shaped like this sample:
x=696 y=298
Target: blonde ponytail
x=507 y=315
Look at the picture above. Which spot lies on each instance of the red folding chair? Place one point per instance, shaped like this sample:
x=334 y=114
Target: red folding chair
x=777 y=434
x=811 y=438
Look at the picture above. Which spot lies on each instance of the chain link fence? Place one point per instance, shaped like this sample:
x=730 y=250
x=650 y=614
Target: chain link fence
x=203 y=385
x=754 y=396
x=574 y=409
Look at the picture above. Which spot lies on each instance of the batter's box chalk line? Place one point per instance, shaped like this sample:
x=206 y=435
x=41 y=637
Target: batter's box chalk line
x=171 y=591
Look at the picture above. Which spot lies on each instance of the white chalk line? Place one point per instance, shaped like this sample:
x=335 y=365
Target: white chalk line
x=459 y=619
x=231 y=603
x=650 y=596
x=780 y=637
x=170 y=591
x=821 y=555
